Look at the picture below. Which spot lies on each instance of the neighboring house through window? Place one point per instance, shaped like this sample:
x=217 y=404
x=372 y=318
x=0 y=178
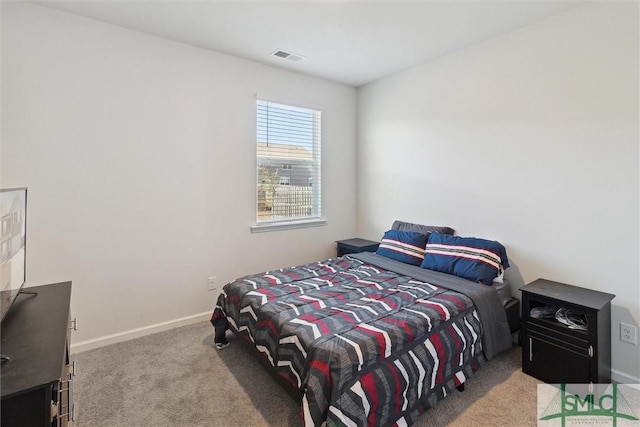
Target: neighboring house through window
x=288 y=163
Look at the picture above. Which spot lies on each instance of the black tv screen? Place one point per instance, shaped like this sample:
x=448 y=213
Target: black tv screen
x=13 y=239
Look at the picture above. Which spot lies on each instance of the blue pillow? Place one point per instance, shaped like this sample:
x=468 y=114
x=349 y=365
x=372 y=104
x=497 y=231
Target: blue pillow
x=478 y=260
x=405 y=246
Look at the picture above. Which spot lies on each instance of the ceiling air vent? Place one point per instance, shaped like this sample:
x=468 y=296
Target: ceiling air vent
x=283 y=54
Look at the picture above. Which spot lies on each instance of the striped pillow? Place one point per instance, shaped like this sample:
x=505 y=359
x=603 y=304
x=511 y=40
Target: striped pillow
x=474 y=259
x=405 y=246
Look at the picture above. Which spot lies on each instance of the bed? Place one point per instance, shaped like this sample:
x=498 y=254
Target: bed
x=373 y=338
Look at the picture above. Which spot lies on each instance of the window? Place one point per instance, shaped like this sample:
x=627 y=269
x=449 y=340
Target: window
x=288 y=160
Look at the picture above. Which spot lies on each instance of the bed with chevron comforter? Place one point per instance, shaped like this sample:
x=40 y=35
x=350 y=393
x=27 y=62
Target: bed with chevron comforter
x=367 y=340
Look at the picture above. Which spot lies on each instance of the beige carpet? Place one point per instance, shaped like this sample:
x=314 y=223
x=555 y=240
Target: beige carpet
x=178 y=378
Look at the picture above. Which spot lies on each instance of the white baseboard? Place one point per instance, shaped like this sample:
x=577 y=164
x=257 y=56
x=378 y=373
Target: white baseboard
x=137 y=333
x=623 y=378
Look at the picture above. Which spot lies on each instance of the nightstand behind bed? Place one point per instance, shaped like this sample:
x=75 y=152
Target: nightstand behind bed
x=352 y=246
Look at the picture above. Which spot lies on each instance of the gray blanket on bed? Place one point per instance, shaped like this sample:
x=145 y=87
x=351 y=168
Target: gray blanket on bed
x=496 y=337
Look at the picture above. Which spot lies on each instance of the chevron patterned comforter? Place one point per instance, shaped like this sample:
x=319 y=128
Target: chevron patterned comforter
x=366 y=345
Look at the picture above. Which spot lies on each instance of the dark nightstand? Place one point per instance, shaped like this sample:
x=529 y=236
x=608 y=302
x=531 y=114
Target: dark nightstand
x=352 y=246
x=555 y=353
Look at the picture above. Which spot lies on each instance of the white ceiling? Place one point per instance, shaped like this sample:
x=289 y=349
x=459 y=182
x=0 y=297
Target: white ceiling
x=352 y=42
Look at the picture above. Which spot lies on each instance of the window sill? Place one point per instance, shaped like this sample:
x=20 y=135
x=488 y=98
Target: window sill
x=288 y=225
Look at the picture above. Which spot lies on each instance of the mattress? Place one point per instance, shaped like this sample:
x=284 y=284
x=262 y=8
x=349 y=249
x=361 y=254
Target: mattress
x=504 y=291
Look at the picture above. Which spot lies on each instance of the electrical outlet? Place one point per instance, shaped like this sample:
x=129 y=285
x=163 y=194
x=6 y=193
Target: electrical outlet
x=628 y=333
x=212 y=284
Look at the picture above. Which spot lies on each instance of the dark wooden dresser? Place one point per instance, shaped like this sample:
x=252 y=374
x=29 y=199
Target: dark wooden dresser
x=37 y=381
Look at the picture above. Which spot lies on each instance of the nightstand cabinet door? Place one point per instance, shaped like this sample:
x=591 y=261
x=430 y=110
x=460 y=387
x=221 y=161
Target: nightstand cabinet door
x=556 y=358
x=556 y=353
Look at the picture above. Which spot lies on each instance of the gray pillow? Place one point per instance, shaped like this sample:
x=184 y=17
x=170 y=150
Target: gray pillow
x=424 y=229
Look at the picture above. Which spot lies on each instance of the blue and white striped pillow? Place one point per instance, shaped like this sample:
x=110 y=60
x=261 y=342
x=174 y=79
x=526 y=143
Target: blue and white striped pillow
x=404 y=246
x=478 y=260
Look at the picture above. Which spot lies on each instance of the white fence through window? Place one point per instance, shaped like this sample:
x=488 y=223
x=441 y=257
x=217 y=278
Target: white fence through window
x=291 y=201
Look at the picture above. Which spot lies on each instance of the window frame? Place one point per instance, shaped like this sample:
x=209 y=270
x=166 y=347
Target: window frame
x=315 y=218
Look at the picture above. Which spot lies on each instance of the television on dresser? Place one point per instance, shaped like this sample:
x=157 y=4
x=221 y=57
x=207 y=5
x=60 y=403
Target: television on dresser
x=13 y=245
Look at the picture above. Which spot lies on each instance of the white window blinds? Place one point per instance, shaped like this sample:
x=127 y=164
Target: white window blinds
x=288 y=160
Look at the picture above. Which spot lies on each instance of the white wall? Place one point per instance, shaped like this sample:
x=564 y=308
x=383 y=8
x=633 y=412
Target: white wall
x=139 y=155
x=530 y=139
x=1 y=115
